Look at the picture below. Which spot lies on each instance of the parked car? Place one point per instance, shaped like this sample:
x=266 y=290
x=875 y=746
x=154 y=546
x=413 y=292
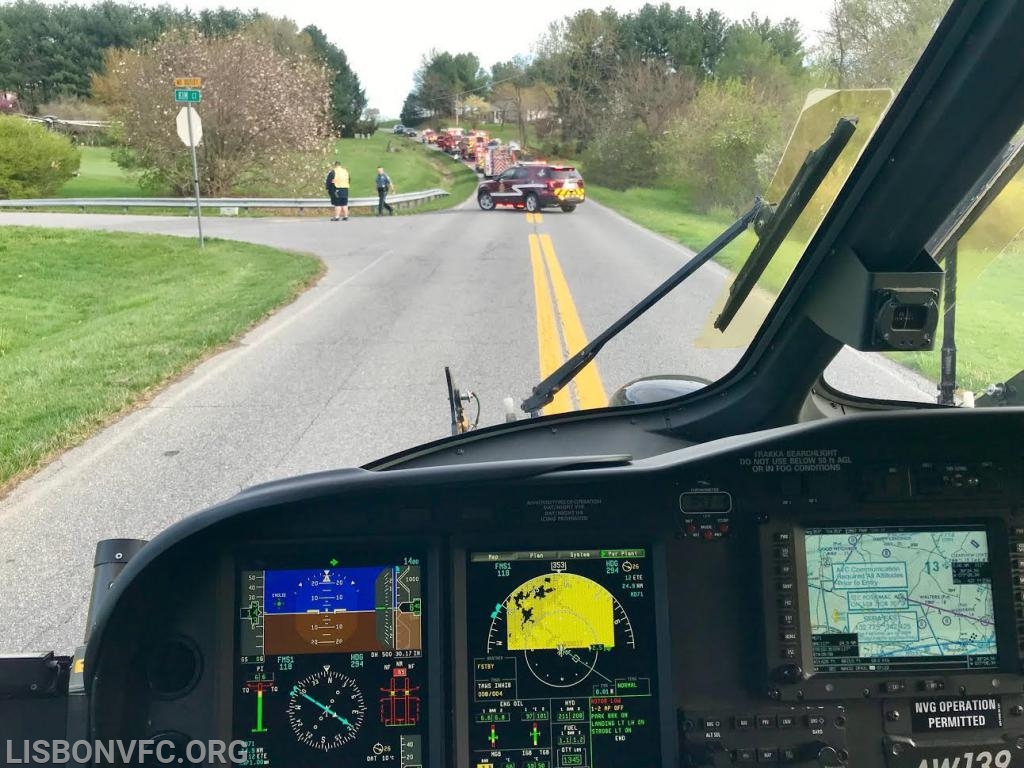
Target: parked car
x=399 y=128
x=533 y=186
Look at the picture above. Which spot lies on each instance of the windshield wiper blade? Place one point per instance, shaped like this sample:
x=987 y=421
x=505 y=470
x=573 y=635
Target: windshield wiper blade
x=545 y=392
x=806 y=182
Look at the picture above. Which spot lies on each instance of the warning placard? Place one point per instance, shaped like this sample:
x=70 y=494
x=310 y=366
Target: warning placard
x=956 y=714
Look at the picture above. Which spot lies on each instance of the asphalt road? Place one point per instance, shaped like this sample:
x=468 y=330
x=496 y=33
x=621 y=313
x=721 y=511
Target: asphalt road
x=353 y=370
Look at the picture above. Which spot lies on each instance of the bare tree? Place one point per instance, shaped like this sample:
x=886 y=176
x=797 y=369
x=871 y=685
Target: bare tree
x=875 y=43
x=653 y=94
x=264 y=113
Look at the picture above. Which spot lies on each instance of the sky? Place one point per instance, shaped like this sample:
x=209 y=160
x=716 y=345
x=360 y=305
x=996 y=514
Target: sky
x=385 y=40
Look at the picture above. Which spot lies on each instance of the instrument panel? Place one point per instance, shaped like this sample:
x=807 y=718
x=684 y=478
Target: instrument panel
x=849 y=593
x=331 y=657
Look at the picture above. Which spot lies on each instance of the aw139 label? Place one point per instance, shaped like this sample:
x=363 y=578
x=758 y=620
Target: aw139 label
x=945 y=758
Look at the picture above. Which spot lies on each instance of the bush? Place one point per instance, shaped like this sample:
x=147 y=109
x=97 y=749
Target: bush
x=34 y=162
x=717 y=146
x=622 y=155
x=74 y=108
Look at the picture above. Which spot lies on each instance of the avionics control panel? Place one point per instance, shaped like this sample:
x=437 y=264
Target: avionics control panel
x=836 y=596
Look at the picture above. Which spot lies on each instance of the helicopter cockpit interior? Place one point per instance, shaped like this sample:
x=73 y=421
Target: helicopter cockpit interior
x=760 y=572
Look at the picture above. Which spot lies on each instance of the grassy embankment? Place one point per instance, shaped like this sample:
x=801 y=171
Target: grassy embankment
x=990 y=311
x=94 y=322
x=412 y=166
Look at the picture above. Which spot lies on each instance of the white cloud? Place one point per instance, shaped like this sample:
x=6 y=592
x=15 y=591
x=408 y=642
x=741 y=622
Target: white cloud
x=385 y=40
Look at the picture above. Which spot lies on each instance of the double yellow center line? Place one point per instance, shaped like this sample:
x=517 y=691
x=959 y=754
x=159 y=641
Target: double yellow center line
x=559 y=330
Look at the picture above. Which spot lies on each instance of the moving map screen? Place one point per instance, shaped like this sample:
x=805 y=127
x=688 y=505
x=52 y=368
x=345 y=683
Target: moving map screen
x=563 y=662
x=900 y=598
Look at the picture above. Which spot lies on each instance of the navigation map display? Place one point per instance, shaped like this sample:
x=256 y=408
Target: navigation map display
x=330 y=666
x=563 y=663
x=900 y=598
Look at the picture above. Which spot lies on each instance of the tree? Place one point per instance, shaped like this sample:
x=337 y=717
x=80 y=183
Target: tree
x=648 y=92
x=475 y=108
x=248 y=140
x=875 y=43
x=411 y=113
x=714 y=148
x=34 y=162
x=366 y=125
x=48 y=51
x=444 y=80
x=519 y=94
x=579 y=57
x=348 y=99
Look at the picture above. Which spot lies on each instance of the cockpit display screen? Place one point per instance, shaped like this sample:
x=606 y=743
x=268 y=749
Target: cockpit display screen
x=900 y=598
x=330 y=666
x=562 y=656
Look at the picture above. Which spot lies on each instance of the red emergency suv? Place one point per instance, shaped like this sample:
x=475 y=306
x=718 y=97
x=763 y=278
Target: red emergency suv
x=533 y=186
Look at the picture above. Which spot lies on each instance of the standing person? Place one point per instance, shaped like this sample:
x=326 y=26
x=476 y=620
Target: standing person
x=337 y=184
x=384 y=186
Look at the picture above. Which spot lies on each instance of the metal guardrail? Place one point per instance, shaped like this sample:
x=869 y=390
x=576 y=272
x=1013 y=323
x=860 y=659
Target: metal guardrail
x=406 y=199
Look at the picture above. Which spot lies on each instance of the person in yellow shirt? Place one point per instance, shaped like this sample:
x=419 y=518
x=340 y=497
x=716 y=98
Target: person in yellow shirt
x=337 y=184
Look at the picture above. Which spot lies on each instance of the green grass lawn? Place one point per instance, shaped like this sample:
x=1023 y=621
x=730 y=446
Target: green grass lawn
x=100 y=176
x=990 y=298
x=91 y=322
x=664 y=211
x=412 y=166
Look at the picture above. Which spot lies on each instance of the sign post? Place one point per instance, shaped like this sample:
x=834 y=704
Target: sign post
x=190 y=131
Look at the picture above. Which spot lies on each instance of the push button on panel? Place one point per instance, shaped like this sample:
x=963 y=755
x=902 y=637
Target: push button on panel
x=767 y=755
x=744 y=756
x=786 y=721
x=743 y=722
x=766 y=721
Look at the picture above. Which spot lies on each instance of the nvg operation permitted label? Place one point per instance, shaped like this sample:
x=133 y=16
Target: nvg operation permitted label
x=956 y=713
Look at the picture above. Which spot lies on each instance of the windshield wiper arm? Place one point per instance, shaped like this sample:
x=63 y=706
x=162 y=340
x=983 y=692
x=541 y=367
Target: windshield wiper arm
x=545 y=392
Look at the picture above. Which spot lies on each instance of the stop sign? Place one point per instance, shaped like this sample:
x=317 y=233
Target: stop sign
x=182 y=124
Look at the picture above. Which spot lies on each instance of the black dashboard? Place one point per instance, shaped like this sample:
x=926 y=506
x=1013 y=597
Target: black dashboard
x=848 y=592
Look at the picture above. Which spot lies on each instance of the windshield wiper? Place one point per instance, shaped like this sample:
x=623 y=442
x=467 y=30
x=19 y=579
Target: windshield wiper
x=772 y=229
x=806 y=182
x=545 y=392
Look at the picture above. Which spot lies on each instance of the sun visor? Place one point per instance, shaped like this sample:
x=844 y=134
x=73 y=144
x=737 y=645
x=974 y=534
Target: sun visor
x=821 y=110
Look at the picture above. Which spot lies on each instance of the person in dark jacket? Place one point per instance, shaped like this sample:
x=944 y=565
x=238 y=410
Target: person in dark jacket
x=384 y=186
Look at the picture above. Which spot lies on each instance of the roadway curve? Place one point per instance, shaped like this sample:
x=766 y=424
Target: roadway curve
x=353 y=370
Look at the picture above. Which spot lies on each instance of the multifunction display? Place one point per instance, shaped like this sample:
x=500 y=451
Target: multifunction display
x=330 y=666
x=563 y=663
x=900 y=598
